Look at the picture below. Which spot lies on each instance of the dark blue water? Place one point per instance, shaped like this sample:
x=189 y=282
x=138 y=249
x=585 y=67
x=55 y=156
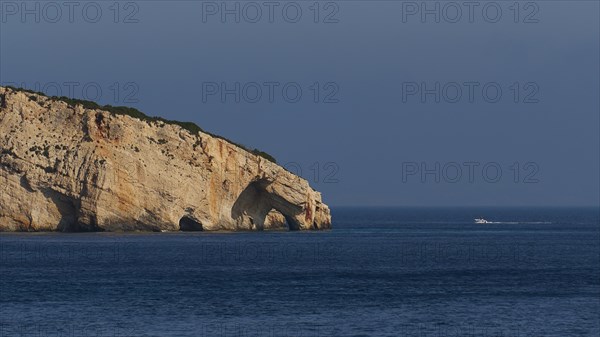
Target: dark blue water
x=380 y=272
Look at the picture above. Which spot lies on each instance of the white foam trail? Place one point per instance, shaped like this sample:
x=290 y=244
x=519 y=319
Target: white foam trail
x=521 y=222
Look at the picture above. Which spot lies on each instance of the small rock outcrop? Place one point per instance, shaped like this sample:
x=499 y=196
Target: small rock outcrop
x=65 y=167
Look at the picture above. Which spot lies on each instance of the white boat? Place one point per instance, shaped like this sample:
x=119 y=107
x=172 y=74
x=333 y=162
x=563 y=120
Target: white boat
x=481 y=220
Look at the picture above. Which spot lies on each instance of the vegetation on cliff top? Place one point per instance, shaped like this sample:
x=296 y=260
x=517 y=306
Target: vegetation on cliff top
x=135 y=113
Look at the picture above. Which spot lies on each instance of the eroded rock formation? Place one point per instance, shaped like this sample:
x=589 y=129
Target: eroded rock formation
x=68 y=168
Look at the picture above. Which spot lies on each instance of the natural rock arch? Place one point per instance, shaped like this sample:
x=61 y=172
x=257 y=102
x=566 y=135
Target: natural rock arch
x=275 y=220
x=255 y=202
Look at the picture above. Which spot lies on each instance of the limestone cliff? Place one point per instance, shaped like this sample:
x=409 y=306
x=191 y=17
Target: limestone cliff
x=69 y=168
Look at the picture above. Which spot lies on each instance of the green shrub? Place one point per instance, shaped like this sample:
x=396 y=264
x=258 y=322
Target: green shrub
x=264 y=155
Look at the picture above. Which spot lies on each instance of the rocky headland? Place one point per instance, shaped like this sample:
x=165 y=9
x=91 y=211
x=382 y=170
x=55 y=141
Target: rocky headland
x=68 y=165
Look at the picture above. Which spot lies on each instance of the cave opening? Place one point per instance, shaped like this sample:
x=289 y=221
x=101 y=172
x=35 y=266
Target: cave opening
x=291 y=224
x=187 y=224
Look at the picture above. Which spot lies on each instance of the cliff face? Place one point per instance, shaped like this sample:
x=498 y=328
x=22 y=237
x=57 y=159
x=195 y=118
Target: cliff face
x=68 y=168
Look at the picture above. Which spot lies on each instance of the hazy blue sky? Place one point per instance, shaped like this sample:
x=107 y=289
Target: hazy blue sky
x=371 y=133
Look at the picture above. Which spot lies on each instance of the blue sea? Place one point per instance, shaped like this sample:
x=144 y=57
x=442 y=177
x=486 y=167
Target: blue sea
x=378 y=272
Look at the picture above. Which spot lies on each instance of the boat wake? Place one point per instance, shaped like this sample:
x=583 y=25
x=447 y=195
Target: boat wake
x=519 y=222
